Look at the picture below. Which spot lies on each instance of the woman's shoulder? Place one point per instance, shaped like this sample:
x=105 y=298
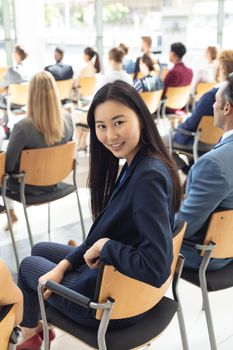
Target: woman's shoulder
x=152 y=164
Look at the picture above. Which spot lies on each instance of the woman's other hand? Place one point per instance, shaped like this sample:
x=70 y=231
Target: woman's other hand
x=56 y=275
x=92 y=254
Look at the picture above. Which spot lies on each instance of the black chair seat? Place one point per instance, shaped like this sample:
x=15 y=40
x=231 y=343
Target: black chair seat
x=216 y=280
x=154 y=322
x=60 y=191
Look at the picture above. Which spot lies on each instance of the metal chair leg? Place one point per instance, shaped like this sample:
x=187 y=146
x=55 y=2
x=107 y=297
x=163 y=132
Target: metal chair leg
x=205 y=297
x=81 y=215
x=49 y=223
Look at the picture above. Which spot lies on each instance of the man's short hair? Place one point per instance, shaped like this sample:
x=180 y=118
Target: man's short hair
x=60 y=51
x=179 y=49
x=227 y=93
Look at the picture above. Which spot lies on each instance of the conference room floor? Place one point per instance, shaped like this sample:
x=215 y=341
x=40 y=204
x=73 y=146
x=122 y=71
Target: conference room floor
x=65 y=225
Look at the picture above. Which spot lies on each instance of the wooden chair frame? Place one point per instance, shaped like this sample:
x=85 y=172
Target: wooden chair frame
x=206 y=133
x=218 y=243
x=64 y=88
x=175 y=98
x=201 y=89
x=120 y=296
x=37 y=168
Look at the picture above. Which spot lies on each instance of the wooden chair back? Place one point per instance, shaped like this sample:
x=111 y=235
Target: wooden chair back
x=87 y=86
x=201 y=89
x=177 y=97
x=2 y=73
x=152 y=99
x=210 y=134
x=220 y=231
x=64 y=88
x=6 y=327
x=47 y=166
x=18 y=93
x=133 y=297
x=164 y=73
x=2 y=166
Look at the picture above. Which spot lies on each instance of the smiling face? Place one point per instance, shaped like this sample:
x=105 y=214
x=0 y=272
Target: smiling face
x=118 y=129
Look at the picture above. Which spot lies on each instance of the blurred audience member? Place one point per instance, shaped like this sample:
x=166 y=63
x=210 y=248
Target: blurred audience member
x=60 y=70
x=146 y=48
x=115 y=61
x=128 y=63
x=18 y=72
x=45 y=125
x=207 y=72
x=203 y=107
x=150 y=80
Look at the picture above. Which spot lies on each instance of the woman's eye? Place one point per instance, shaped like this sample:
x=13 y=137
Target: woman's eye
x=100 y=126
x=119 y=122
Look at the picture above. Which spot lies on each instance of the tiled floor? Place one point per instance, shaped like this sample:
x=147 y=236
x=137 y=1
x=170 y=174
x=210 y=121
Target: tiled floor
x=66 y=225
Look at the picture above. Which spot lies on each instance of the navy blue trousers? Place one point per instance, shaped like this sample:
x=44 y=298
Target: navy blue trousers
x=45 y=256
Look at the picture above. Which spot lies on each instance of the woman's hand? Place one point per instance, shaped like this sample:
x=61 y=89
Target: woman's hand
x=92 y=254
x=56 y=275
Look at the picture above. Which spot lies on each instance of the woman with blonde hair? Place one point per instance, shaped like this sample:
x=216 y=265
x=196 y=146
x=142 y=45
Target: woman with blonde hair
x=45 y=125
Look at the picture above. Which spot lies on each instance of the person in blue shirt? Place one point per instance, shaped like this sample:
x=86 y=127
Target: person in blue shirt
x=133 y=212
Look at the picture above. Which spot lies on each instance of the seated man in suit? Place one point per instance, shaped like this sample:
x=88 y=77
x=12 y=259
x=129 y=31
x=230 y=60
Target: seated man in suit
x=210 y=181
x=60 y=70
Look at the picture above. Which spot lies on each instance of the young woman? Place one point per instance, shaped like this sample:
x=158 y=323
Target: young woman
x=133 y=212
x=116 y=72
x=150 y=81
x=45 y=125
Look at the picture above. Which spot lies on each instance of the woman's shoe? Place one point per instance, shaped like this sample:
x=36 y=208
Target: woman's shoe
x=33 y=343
x=52 y=335
x=72 y=243
x=14 y=219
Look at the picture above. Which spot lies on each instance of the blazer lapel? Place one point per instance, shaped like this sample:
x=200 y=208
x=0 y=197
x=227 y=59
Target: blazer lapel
x=119 y=187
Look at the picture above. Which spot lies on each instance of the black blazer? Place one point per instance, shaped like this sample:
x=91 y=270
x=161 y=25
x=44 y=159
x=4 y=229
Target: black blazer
x=139 y=221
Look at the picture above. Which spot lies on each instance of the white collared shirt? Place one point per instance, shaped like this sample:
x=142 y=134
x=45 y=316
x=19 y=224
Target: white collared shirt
x=226 y=134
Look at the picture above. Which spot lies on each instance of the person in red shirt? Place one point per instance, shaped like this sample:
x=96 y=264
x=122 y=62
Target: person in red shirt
x=179 y=75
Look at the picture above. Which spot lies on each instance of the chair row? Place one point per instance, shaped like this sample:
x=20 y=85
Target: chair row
x=48 y=166
x=118 y=296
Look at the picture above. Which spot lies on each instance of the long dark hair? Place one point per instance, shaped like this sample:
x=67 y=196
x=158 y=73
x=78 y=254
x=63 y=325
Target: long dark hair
x=91 y=53
x=104 y=165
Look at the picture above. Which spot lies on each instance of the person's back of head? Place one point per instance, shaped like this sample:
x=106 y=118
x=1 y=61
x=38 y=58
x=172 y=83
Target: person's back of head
x=44 y=107
x=91 y=55
x=178 y=50
x=147 y=62
x=211 y=53
x=58 y=54
x=146 y=44
x=124 y=48
x=116 y=55
x=225 y=64
x=19 y=54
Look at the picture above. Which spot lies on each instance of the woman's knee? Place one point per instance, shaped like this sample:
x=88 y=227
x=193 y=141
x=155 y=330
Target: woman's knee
x=39 y=248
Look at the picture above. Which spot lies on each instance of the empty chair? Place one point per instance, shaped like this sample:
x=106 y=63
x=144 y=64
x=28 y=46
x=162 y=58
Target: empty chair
x=206 y=136
x=152 y=99
x=46 y=167
x=218 y=243
x=64 y=88
x=87 y=86
x=118 y=296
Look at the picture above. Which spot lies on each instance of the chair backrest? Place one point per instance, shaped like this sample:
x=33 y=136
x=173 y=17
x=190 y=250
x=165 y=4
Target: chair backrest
x=177 y=97
x=87 y=86
x=2 y=165
x=18 y=93
x=47 y=166
x=11 y=305
x=64 y=88
x=2 y=73
x=220 y=231
x=152 y=99
x=201 y=89
x=133 y=297
x=210 y=134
